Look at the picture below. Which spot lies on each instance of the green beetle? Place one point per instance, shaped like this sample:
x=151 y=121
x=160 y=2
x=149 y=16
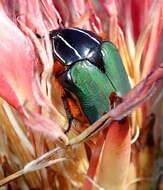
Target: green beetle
x=93 y=69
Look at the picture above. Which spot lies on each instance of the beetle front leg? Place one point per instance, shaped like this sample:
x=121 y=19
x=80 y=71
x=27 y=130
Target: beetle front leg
x=66 y=98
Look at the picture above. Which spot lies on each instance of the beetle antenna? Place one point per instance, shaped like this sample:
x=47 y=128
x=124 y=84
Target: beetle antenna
x=39 y=36
x=61 y=24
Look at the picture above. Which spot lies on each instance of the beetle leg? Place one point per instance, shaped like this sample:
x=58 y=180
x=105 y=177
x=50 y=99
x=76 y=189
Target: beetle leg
x=69 y=114
x=39 y=36
x=114 y=100
x=70 y=120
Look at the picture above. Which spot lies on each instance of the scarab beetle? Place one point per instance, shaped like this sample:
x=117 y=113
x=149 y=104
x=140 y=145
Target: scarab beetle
x=92 y=69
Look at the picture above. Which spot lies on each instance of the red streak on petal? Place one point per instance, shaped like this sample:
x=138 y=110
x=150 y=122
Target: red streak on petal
x=62 y=8
x=152 y=46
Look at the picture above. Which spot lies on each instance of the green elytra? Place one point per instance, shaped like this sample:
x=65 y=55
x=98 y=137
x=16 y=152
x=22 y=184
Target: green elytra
x=93 y=87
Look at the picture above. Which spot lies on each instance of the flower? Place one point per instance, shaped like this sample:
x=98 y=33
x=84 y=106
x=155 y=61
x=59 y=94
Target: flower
x=27 y=84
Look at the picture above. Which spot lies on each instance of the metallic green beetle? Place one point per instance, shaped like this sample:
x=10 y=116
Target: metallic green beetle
x=94 y=69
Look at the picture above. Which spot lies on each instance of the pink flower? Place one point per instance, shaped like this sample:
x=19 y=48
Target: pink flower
x=25 y=83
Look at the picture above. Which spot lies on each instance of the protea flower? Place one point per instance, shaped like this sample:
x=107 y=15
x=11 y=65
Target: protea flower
x=32 y=114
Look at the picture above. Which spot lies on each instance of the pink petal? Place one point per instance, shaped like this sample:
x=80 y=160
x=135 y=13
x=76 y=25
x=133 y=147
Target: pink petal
x=114 y=165
x=110 y=7
x=94 y=161
x=17 y=64
x=46 y=127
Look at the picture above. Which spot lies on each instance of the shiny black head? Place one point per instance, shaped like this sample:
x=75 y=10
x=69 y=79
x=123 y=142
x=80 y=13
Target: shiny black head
x=71 y=45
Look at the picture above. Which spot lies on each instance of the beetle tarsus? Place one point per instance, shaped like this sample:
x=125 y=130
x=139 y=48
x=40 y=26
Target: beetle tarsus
x=70 y=121
x=70 y=116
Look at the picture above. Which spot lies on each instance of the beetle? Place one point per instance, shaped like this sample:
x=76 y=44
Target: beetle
x=90 y=69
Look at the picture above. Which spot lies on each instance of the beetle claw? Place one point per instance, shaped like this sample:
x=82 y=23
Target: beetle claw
x=70 y=121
